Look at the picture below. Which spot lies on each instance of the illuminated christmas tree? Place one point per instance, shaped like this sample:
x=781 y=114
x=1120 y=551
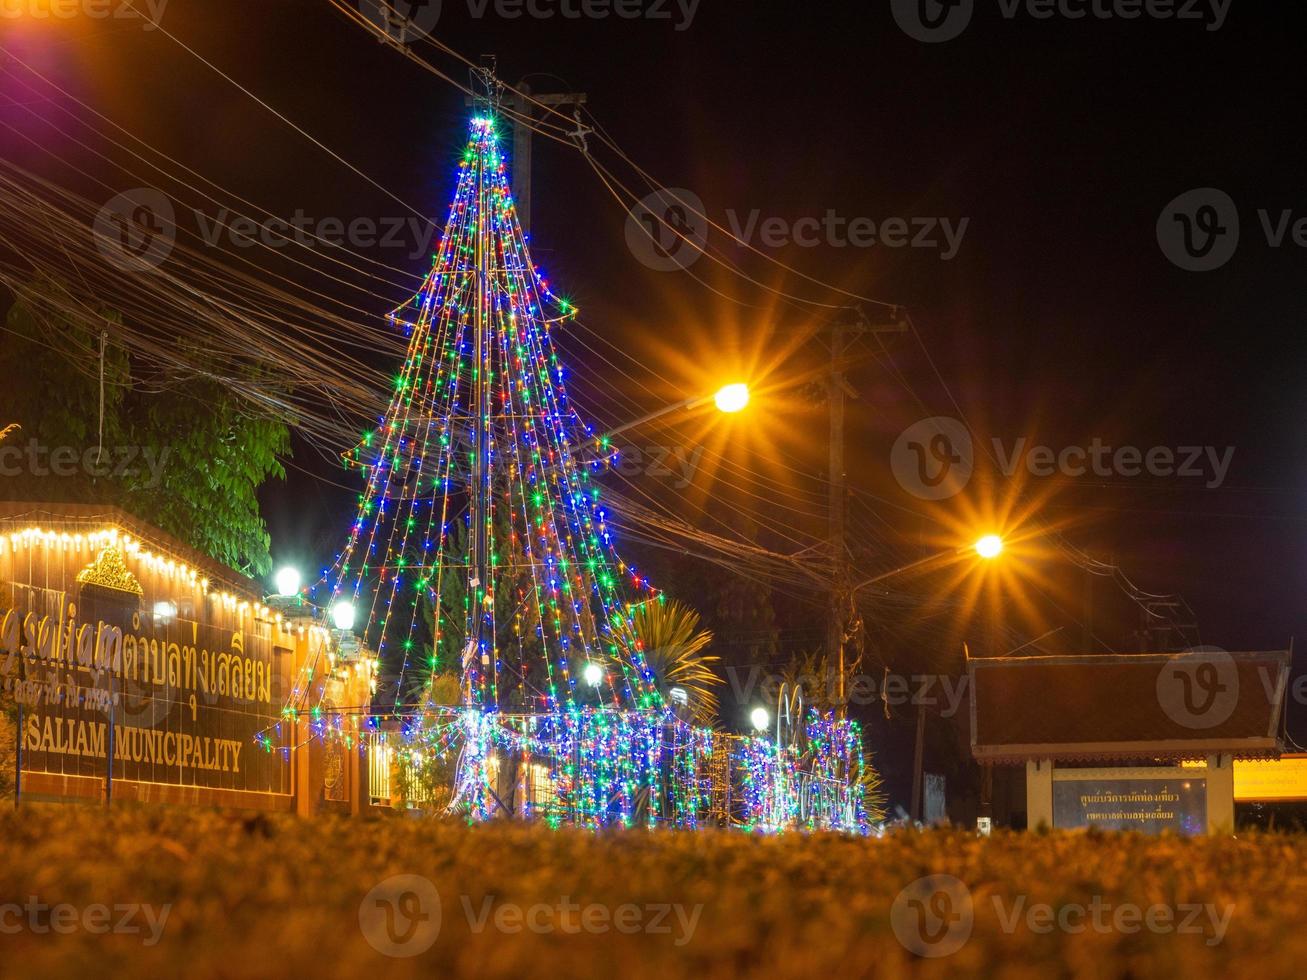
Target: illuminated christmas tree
x=478 y=500
x=482 y=549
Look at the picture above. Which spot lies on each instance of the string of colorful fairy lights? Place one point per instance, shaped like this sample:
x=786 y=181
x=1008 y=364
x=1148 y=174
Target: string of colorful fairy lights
x=477 y=490
x=598 y=767
x=589 y=767
x=813 y=783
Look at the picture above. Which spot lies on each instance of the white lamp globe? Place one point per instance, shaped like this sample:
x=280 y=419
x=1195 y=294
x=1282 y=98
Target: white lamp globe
x=287 y=581
x=342 y=615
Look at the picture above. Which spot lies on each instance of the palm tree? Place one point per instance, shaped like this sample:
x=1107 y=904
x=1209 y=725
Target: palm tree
x=667 y=634
x=873 y=791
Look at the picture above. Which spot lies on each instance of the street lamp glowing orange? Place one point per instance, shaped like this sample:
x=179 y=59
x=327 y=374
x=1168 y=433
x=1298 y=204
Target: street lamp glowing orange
x=733 y=398
x=990 y=546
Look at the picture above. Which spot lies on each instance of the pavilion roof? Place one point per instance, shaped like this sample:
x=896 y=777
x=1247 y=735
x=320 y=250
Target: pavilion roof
x=1121 y=707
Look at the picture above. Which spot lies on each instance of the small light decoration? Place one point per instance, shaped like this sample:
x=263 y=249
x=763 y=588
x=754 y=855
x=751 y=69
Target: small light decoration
x=590 y=767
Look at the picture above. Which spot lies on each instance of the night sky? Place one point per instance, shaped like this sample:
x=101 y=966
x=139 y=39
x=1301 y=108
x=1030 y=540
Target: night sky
x=1059 y=141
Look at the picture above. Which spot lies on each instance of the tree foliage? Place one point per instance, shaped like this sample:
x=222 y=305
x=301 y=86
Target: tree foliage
x=181 y=451
x=817 y=677
x=667 y=634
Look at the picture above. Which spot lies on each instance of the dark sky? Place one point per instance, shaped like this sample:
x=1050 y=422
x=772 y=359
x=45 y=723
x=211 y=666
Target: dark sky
x=1059 y=140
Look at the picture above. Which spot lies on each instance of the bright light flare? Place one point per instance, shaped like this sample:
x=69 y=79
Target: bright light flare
x=732 y=398
x=342 y=615
x=593 y=674
x=990 y=546
x=760 y=719
x=287 y=581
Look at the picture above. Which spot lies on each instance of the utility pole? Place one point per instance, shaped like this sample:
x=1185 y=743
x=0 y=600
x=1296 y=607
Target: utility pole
x=918 y=764
x=481 y=583
x=836 y=387
x=524 y=105
x=1087 y=642
x=486 y=86
x=850 y=323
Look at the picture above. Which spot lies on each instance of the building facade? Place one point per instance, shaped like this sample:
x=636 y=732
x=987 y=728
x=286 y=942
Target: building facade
x=1146 y=742
x=141 y=670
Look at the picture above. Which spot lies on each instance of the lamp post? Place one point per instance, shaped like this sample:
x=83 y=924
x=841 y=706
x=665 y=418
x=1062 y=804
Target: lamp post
x=729 y=400
x=988 y=547
x=847 y=326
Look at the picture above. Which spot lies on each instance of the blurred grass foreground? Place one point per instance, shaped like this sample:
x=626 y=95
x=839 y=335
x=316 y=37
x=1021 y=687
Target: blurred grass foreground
x=136 y=892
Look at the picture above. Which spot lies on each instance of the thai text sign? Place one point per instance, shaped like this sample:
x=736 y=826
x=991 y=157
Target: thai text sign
x=1281 y=780
x=1147 y=805
x=176 y=701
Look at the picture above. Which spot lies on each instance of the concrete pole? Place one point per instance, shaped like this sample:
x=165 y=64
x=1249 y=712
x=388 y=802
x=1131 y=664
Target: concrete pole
x=839 y=573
